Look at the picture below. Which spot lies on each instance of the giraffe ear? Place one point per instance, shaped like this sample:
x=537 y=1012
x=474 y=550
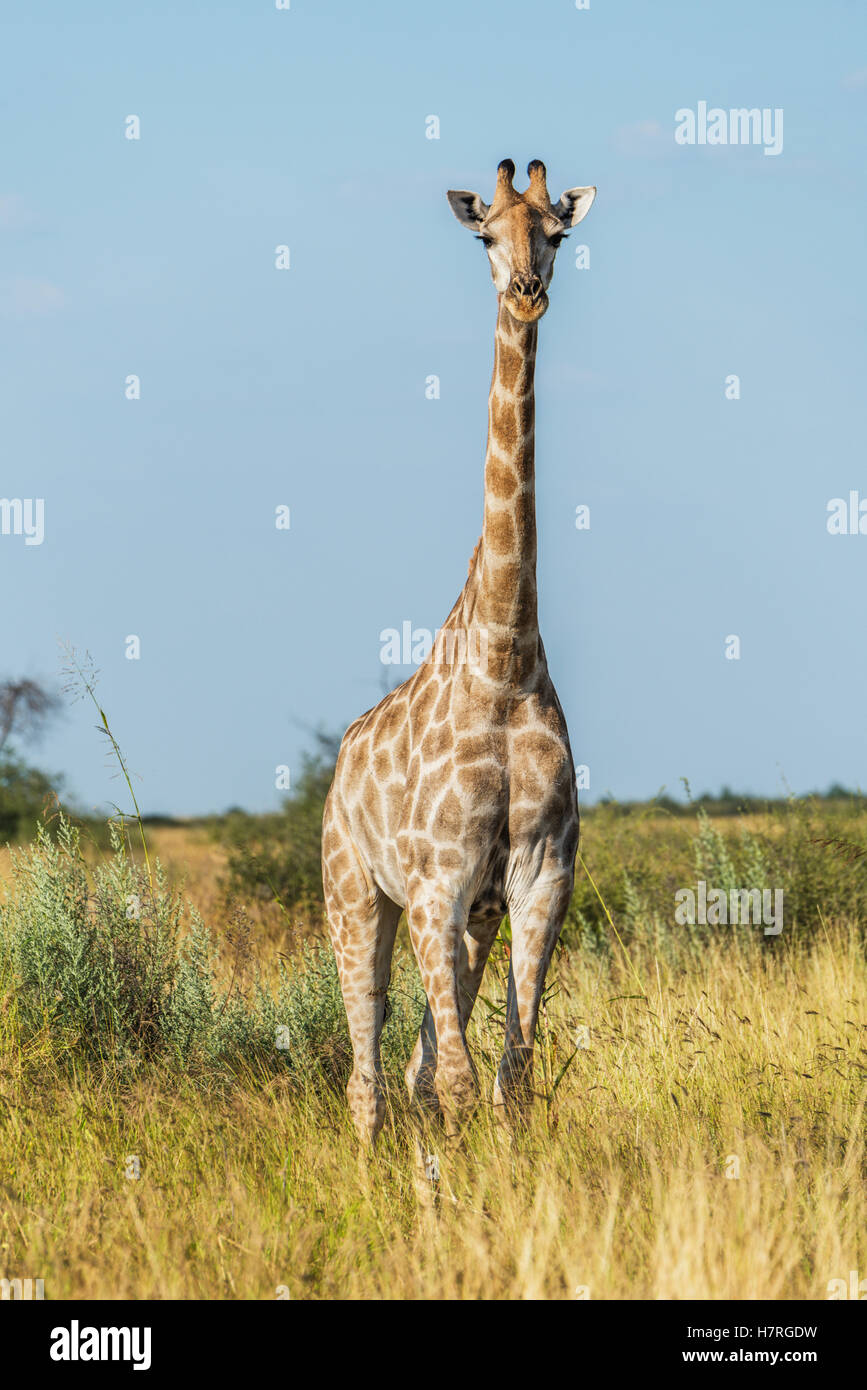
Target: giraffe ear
x=574 y=204
x=468 y=208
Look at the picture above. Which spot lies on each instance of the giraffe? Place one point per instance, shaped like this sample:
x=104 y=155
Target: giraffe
x=454 y=798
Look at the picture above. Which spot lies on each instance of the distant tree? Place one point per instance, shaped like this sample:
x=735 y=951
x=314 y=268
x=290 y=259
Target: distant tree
x=836 y=792
x=25 y=709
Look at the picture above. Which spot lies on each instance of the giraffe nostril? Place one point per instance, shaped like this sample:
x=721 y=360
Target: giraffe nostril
x=526 y=286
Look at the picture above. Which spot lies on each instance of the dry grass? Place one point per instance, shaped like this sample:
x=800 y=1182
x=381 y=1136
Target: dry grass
x=748 y=1061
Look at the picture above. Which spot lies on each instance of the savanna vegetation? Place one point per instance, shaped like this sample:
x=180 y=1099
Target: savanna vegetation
x=173 y=1053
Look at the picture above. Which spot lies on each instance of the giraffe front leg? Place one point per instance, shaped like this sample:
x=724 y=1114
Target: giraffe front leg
x=436 y=927
x=363 y=925
x=363 y=945
x=536 y=921
x=475 y=948
x=421 y=1070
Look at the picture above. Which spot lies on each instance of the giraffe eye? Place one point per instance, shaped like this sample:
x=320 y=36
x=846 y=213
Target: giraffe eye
x=485 y=240
x=557 y=238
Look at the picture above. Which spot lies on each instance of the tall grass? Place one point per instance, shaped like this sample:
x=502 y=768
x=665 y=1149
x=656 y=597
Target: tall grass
x=172 y=1122
x=172 y=1116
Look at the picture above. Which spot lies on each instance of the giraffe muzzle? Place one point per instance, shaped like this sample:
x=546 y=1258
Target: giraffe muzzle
x=526 y=298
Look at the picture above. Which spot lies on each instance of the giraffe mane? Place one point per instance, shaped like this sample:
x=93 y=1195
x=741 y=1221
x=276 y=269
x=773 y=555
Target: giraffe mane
x=473 y=558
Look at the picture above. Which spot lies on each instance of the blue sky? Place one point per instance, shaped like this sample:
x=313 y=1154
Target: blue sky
x=306 y=387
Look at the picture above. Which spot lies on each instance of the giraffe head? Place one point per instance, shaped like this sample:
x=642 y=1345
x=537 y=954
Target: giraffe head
x=521 y=233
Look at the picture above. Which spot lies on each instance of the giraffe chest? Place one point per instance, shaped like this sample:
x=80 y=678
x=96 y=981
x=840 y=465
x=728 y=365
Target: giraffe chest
x=465 y=793
x=480 y=797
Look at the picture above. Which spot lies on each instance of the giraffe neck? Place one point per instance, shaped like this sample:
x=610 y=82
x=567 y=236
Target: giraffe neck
x=502 y=586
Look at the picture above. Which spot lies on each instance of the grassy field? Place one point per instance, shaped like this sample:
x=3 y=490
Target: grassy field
x=698 y=1132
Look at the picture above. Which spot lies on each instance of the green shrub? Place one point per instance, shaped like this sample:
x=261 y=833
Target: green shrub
x=113 y=968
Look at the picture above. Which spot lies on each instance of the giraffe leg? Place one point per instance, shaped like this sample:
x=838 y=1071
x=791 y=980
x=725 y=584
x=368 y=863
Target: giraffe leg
x=536 y=923
x=436 y=926
x=363 y=945
x=422 y=1066
x=363 y=923
x=475 y=948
